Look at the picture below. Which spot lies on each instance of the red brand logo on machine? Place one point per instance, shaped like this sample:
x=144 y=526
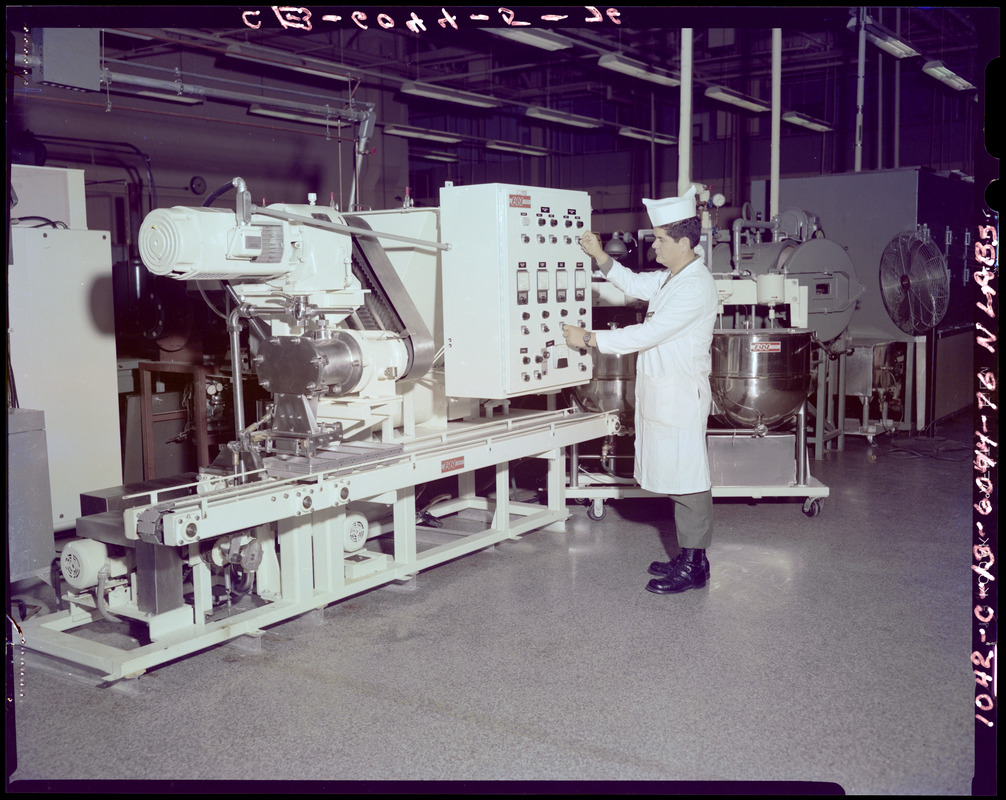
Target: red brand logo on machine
x=766 y=347
x=520 y=201
x=451 y=464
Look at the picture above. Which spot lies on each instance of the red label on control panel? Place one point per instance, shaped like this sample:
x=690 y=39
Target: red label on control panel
x=520 y=201
x=451 y=464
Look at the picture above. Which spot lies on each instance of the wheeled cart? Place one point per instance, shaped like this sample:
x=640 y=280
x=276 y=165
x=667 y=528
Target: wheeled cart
x=742 y=463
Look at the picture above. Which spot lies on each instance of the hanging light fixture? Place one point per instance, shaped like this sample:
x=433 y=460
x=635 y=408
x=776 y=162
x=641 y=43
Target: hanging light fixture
x=409 y=132
x=295 y=116
x=886 y=40
x=725 y=95
x=449 y=95
x=945 y=75
x=515 y=147
x=637 y=69
x=434 y=155
x=646 y=136
x=540 y=112
x=543 y=40
x=804 y=121
x=264 y=56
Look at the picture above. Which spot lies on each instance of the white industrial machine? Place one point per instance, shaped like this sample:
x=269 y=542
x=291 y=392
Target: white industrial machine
x=315 y=500
x=782 y=301
x=60 y=300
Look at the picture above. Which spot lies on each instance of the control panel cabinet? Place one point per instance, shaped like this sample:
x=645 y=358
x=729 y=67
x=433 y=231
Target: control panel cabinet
x=513 y=275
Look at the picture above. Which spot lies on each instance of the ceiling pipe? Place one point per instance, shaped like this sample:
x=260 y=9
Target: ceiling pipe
x=774 y=159
x=110 y=78
x=685 y=125
x=860 y=85
x=359 y=114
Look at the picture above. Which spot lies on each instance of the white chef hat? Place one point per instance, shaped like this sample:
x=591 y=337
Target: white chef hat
x=671 y=209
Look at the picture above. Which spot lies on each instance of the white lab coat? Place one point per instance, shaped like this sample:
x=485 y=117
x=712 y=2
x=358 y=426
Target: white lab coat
x=673 y=396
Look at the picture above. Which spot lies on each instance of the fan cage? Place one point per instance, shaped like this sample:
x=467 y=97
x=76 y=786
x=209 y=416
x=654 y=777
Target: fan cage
x=914 y=282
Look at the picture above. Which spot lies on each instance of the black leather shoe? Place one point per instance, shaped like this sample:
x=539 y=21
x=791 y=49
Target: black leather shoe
x=685 y=575
x=661 y=568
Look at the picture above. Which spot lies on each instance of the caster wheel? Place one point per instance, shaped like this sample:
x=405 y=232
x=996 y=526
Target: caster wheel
x=812 y=508
x=596 y=511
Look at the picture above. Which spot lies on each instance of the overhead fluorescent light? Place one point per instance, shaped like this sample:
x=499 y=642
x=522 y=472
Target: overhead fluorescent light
x=883 y=38
x=449 y=158
x=726 y=95
x=796 y=118
x=544 y=40
x=540 y=112
x=637 y=69
x=422 y=133
x=449 y=95
x=514 y=147
x=646 y=136
x=296 y=116
x=188 y=100
x=944 y=74
x=275 y=58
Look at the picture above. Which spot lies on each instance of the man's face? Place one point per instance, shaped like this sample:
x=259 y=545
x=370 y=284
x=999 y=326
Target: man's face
x=667 y=250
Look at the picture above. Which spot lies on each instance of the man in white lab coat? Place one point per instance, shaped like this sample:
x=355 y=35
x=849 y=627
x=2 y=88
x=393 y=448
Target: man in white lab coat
x=673 y=396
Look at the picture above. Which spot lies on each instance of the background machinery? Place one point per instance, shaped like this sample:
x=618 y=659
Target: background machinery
x=787 y=294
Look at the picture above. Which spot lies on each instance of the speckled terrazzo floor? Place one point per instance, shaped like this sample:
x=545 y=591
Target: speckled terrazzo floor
x=831 y=650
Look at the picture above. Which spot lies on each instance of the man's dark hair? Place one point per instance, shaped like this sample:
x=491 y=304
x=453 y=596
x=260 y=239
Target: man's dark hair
x=691 y=227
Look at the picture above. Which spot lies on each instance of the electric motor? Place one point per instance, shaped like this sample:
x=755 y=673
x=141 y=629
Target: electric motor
x=82 y=560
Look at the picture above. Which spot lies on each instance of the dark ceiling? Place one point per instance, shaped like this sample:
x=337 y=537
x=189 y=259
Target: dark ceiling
x=384 y=47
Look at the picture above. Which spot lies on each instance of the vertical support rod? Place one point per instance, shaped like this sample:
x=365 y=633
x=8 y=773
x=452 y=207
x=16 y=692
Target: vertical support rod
x=556 y=486
x=776 y=122
x=685 y=121
x=234 y=327
x=860 y=84
x=822 y=403
x=202 y=586
x=329 y=572
x=897 y=97
x=501 y=516
x=842 y=366
x=404 y=519
x=801 y=445
x=574 y=466
x=880 y=101
x=296 y=566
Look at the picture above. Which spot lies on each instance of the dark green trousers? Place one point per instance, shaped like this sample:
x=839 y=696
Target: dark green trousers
x=693 y=518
